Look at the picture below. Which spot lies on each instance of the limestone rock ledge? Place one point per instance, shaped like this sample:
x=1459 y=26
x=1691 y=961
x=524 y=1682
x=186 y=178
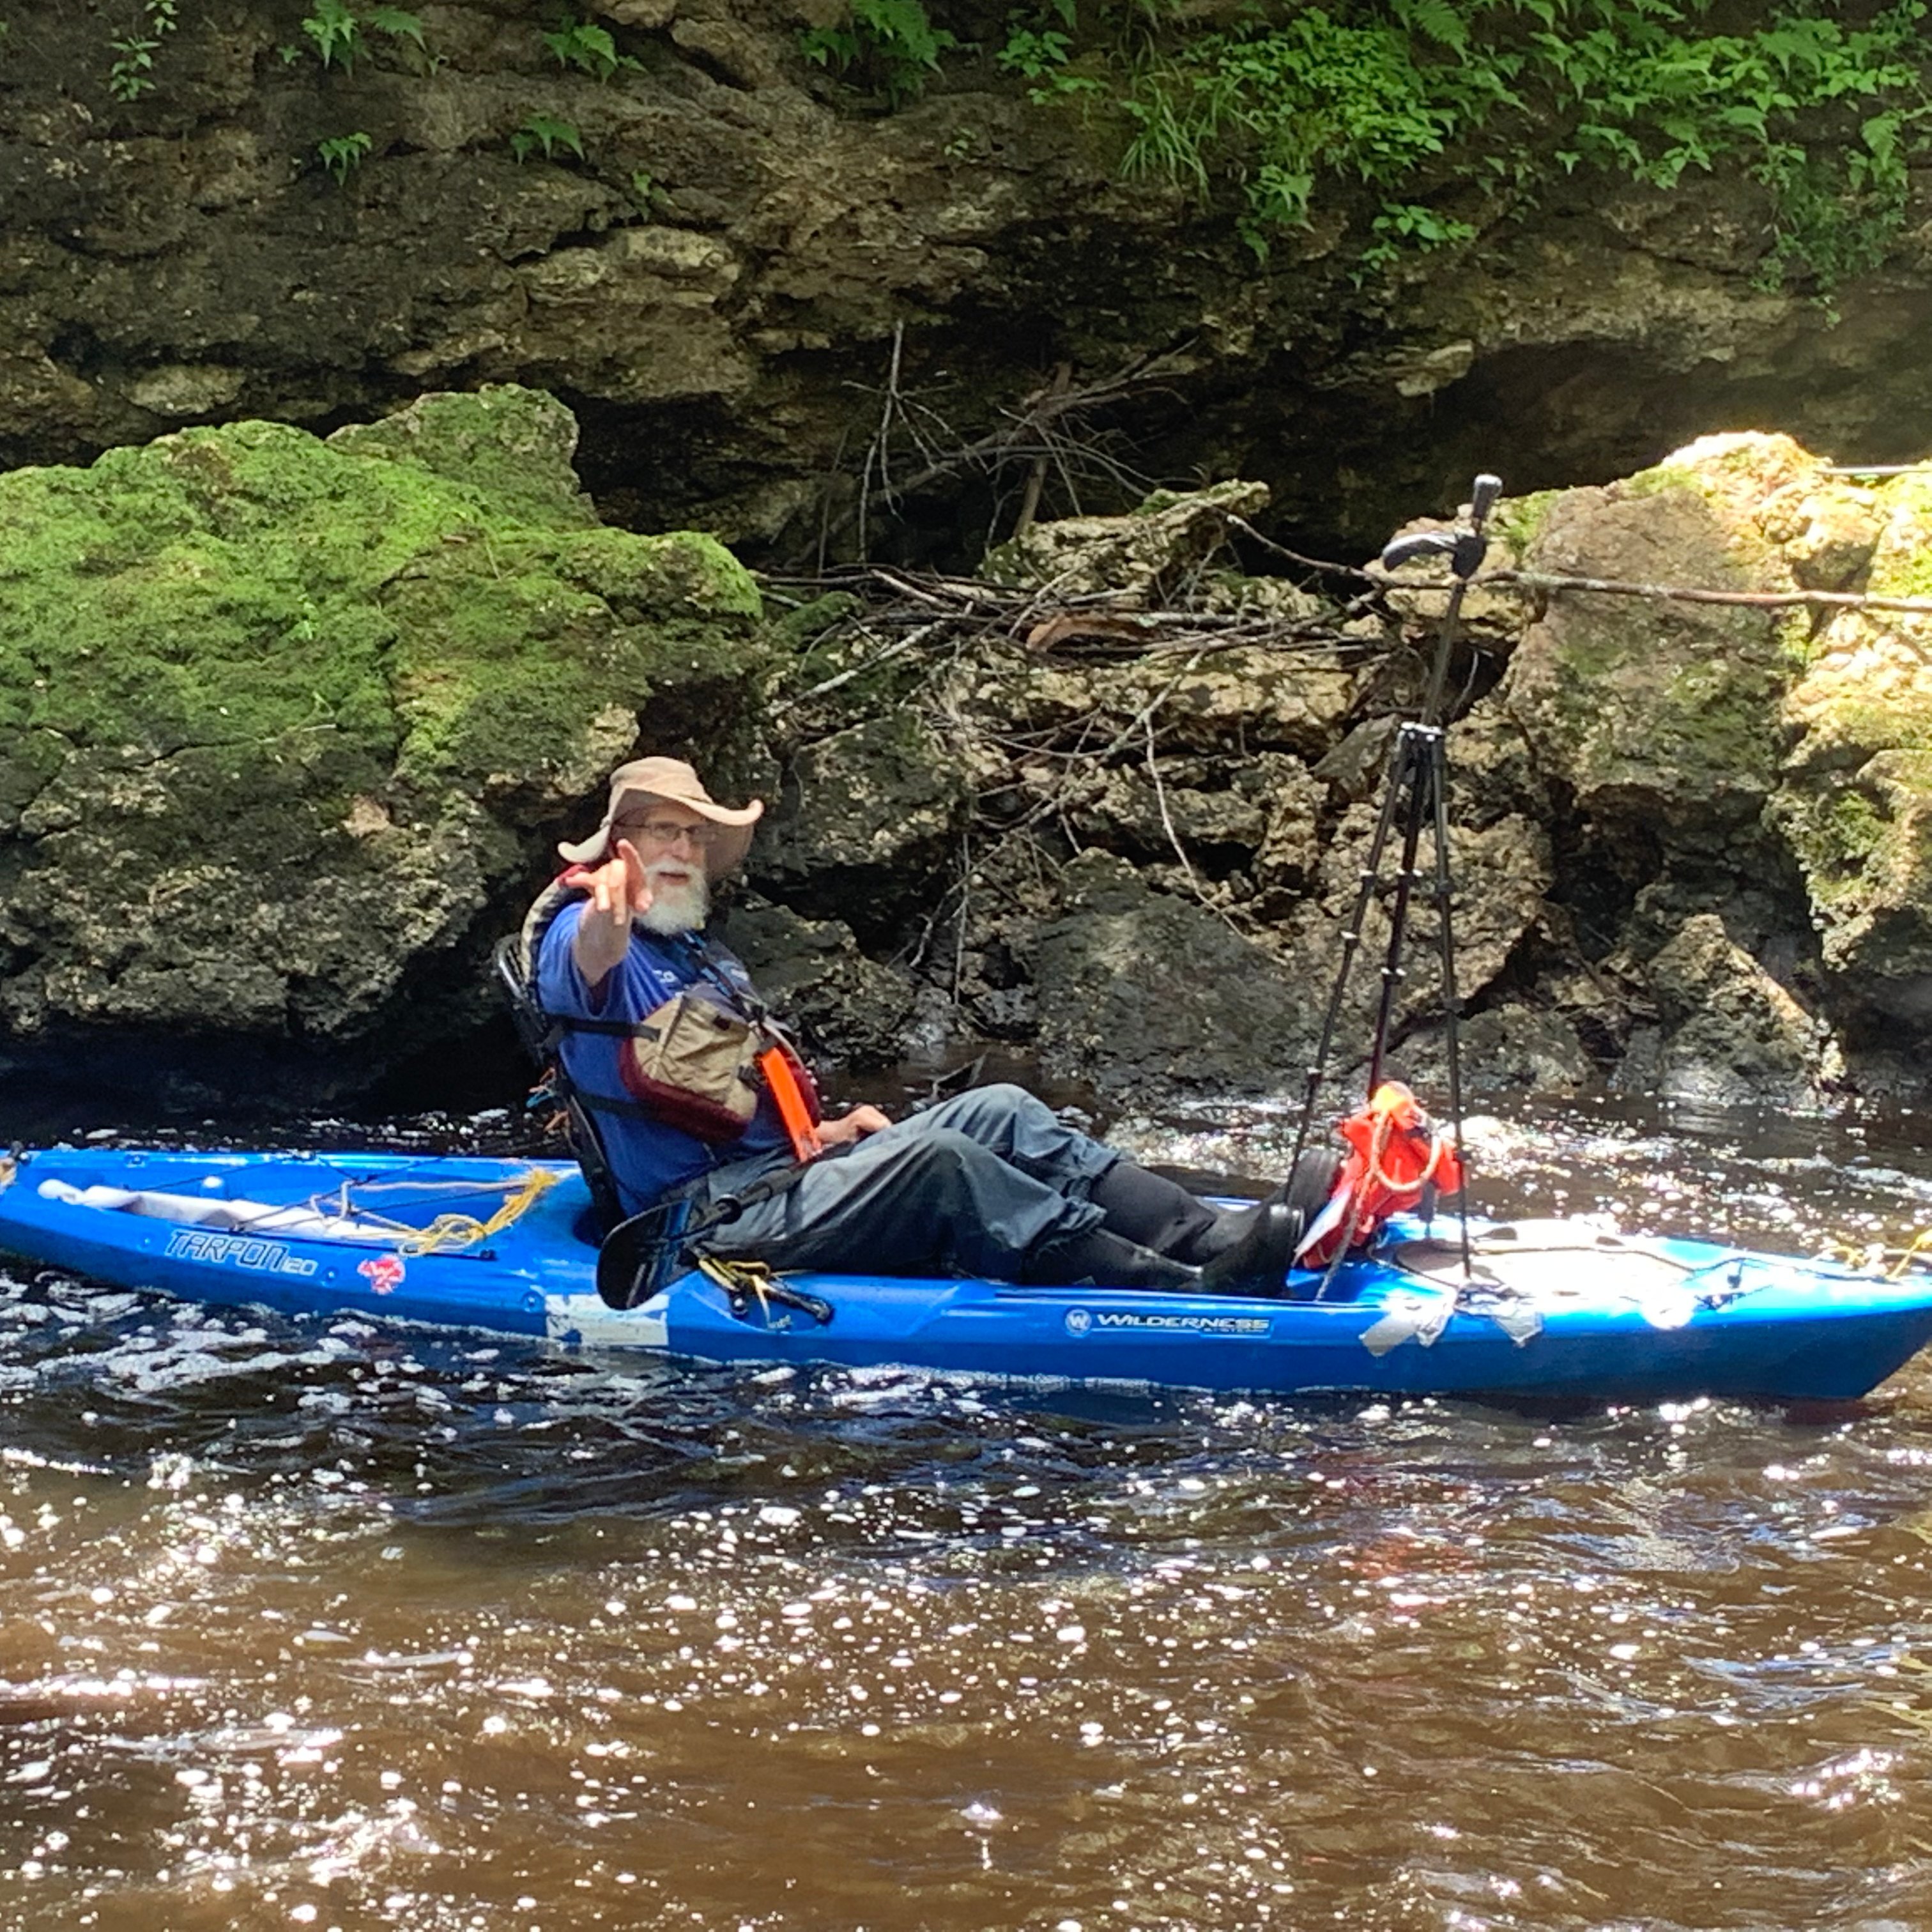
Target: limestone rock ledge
x=716 y=266
x=1688 y=839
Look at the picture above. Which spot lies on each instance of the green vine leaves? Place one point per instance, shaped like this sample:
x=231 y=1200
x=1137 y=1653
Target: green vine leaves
x=1825 y=105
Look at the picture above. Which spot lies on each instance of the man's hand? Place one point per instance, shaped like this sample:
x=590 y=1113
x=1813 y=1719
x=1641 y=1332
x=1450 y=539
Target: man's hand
x=618 y=889
x=852 y=1126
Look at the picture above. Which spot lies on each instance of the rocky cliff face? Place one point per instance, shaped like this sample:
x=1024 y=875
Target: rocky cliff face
x=288 y=727
x=723 y=261
x=1686 y=841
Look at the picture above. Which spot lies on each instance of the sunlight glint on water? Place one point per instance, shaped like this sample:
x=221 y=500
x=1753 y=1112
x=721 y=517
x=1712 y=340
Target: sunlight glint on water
x=328 y=1623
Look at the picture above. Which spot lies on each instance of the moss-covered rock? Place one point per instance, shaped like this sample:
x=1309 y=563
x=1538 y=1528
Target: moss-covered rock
x=1702 y=751
x=1662 y=713
x=282 y=721
x=1132 y=559
x=517 y=445
x=1856 y=801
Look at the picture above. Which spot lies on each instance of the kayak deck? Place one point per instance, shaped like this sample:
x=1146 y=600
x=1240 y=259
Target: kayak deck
x=1554 y=1310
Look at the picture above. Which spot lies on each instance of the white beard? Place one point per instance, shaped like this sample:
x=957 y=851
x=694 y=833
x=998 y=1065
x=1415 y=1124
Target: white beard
x=677 y=905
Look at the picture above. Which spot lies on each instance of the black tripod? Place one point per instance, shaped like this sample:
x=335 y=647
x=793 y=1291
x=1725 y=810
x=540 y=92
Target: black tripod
x=1416 y=792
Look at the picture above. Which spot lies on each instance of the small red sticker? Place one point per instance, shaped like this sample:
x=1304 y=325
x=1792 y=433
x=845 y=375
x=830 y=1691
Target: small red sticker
x=384 y=1272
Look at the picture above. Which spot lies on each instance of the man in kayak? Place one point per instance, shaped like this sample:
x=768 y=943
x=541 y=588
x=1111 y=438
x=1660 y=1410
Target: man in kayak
x=991 y=1183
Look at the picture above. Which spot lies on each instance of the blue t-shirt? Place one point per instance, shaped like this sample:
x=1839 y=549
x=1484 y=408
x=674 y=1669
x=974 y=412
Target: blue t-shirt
x=645 y=1156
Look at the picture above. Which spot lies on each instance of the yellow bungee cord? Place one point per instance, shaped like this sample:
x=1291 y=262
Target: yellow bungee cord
x=446 y=1231
x=745 y=1277
x=463 y=1230
x=1891 y=1263
x=1919 y=1242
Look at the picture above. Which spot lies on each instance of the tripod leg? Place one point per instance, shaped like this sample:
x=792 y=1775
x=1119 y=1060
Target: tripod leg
x=1401 y=781
x=1452 y=1003
x=1415 y=747
x=1422 y=741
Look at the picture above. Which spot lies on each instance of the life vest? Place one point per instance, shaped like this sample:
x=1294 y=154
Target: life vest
x=698 y=1063
x=1396 y=1153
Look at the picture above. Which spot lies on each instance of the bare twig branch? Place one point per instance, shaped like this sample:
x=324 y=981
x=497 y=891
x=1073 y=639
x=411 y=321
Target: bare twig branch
x=965 y=906
x=911 y=640
x=1028 y=436
x=1327 y=567
x=1167 y=817
x=1675 y=593
x=1167 y=826
x=878 y=453
x=1062 y=378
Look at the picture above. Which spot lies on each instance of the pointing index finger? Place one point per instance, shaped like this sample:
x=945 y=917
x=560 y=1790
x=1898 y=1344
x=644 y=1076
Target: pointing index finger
x=636 y=885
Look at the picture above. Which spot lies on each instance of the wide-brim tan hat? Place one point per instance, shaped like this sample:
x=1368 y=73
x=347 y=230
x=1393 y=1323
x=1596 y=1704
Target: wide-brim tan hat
x=673 y=780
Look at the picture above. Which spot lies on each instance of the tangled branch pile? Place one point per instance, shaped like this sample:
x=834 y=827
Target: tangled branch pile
x=1111 y=721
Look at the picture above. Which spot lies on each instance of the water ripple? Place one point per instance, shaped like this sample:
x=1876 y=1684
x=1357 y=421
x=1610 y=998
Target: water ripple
x=334 y=1624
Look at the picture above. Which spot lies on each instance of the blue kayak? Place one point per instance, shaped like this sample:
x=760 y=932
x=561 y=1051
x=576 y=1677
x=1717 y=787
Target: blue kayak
x=1554 y=1310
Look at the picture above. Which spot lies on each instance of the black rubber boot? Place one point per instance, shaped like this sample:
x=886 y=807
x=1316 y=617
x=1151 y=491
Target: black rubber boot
x=1251 y=1250
x=1259 y=1260
x=1153 y=1212
x=1103 y=1259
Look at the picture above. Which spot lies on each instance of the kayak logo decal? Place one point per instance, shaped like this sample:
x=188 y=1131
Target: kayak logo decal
x=384 y=1273
x=1084 y=1321
x=240 y=1251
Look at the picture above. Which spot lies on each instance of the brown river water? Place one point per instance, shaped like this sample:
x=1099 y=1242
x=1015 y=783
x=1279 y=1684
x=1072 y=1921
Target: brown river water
x=327 y=1624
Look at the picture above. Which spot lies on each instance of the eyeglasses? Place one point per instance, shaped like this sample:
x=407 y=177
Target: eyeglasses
x=662 y=834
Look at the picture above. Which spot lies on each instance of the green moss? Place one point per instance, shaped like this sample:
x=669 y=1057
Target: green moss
x=1663 y=476
x=1520 y=520
x=1715 y=714
x=317 y=619
x=218 y=586
x=1834 y=836
x=1799 y=643
x=1864 y=844
x=1903 y=565
x=516 y=445
x=1870 y=725
x=28 y=761
x=501 y=669
x=799 y=630
x=680 y=576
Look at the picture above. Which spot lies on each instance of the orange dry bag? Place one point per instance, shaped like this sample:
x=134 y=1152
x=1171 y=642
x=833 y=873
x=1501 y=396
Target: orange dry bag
x=1394 y=1154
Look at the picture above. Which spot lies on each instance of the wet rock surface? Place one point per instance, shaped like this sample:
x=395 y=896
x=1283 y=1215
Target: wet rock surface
x=867 y=821
x=287 y=729
x=1728 y=1032
x=1140 y=993
x=853 y=1011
